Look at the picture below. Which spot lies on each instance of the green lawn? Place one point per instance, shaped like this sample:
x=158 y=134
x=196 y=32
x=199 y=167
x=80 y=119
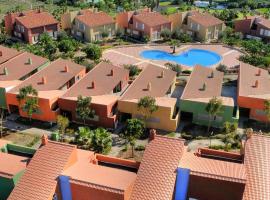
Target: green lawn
x=165 y=3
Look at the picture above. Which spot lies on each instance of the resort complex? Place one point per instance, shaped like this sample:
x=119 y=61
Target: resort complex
x=134 y=100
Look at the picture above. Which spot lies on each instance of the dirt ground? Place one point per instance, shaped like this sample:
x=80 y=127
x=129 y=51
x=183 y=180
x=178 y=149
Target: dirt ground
x=24 y=139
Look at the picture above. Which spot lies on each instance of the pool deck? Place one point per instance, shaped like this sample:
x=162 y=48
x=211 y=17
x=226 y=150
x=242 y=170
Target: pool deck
x=131 y=54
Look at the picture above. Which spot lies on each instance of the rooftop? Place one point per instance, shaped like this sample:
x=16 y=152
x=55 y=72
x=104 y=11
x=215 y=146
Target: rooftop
x=40 y=178
x=11 y=164
x=151 y=18
x=211 y=168
x=53 y=77
x=205 y=19
x=93 y=19
x=157 y=173
x=153 y=81
x=105 y=78
x=263 y=21
x=20 y=66
x=7 y=53
x=36 y=18
x=257 y=163
x=257 y=83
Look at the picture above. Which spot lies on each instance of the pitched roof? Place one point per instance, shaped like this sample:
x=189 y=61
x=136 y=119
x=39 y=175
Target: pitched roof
x=151 y=18
x=93 y=19
x=263 y=21
x=35 y=19
x=204 y=19
x=200 y=76
x=7 y=53
x=40 y=178
x=211 y=168
x=150 y=75
x=20 y=66
x=54 y=74
x=248 y=75
x=157 y=173
x=257 y=163
x=105 y=77
x=11 y=164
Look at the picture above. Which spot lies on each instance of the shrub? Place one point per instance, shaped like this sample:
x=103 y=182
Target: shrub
x=140 y=148
x=186 y=72
x=134 y=70
x=222 y=68
x=172 y=134
x=186 y=136
x=93 y=51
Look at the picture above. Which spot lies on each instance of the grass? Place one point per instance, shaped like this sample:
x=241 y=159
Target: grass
x=23 y=139
x=165 y=3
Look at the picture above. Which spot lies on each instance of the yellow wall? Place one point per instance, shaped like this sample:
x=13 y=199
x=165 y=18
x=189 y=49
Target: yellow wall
x=164 y=114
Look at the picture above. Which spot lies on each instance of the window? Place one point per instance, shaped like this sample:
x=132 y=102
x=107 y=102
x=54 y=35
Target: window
x=22 y=29
x=261 y=31
x=260 y=112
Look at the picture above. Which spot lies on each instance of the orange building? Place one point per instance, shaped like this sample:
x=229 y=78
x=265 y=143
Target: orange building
x=253 y=90
x=51 y=83
x=103 y=85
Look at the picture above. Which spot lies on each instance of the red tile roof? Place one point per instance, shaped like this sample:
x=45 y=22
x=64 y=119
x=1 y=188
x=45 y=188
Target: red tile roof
x=40 y=178
x=211 y=168
x=94 y=19
x=248 y=75
x=257 y=163
x=151 y=18
x=205 y=19
x=157 y=172
x=36 y=19
x=11 y=164
x=262 y=21
x=7 y=53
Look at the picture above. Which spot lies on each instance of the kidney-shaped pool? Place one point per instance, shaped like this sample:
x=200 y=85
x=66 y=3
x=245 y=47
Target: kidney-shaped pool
x=189 y=58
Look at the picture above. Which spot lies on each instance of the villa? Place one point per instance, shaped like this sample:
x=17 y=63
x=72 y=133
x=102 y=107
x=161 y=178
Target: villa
x=202 y=85
x=27 y=26
x=17 y=69
x=89 y=25
x=253 y=91
x=51 y=83
x=158 y=83
x=104 y=85
x=143 y=23
x=256 y=27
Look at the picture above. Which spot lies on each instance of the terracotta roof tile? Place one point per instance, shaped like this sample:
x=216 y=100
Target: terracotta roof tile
x=40 y=178
x=93 y=19
x=205 y=19
x=248 y=75
x=7 y=53
x=36 y=19
x=151 y=18
x=263 y=21
x=157 y=172
x=257 y=163
x=211 y=168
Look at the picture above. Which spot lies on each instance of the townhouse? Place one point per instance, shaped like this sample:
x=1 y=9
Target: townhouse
x=17 y=69
x=50 y=83
x=143 y=23
x=89 y=25
x=253 y=91
x=203 y=85
x=27 y=26
x=158 y=83
x=104 y=84
x=256 y=27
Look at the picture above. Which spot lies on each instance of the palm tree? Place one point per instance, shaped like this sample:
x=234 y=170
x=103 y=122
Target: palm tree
x=174 y=44
x=213 y=108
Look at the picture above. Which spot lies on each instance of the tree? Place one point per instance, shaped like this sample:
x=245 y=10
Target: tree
x=134 y=70
x=62 y=123
x=83 y=137
x=267 y=109
x=28 y=100
x=83 y=109
x=166 y=34
x=147 y=106
x=93 y=52
x=134 y=130
x=213 y=108
x=174 y=44
x=101 y=141
x=66 y=46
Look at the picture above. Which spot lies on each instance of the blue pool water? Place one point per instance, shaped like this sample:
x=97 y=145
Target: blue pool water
x=188 y=58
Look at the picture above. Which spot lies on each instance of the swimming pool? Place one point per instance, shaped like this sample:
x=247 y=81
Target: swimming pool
x=188 y=58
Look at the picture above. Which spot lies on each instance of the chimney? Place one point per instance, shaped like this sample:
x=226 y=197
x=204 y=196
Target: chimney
x=1 y=53
x=94 y=160
x=259 y=72
x=203 y=87
x=162 y=74
x=212 y=74
x=5 y=71
x=112 y=72
x=152 y=134
x=30 y=62
x=93 y=85
x=66 y=68
x=256 y=84
x=44 y=139
x=149 y=86
x=43 y=80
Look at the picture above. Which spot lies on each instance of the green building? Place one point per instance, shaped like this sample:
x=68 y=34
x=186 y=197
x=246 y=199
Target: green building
x=204 y=84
